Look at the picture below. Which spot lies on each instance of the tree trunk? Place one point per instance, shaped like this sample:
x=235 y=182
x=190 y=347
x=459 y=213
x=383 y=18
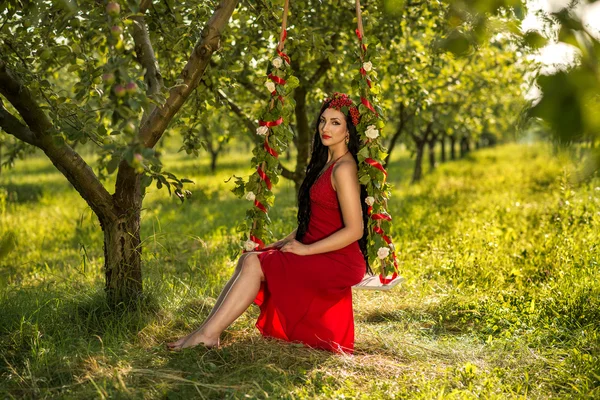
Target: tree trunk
x=392 y=145
x=452 y=147
x=463 y=147
x=418 y=172
x=122 y=258
x=303 y=137
x=122 y=245
x=443 y=149
x=397 y=134
x=213 y=160
x=431 y=146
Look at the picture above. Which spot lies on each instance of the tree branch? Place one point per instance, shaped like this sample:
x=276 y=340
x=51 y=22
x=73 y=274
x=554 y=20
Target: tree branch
x=22 y=100
x=11 y=125
x=145 y=56
x=154 y=127
x=286 y=173
x=249 y=86
x=247 y=121
x=324 y=65
x=64 y=158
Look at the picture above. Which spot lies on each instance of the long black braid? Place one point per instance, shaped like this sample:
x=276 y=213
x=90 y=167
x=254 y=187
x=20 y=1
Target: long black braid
x=318 y=159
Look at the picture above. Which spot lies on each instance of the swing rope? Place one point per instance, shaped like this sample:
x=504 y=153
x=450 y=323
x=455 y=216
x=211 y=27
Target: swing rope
x=382 y=214
x=260 y=184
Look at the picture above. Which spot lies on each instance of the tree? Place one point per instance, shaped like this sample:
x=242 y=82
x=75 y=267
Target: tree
x=569 y=97
x=441 y=85
x=53 y=97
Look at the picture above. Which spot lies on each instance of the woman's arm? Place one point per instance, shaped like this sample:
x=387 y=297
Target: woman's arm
x=345 y=182
x=278 y=244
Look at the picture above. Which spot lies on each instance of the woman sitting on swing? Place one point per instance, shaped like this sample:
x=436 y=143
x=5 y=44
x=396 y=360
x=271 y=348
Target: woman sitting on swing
x=302 y=283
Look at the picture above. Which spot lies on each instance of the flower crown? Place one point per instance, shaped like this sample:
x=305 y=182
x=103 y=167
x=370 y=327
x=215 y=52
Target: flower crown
x=344 y=104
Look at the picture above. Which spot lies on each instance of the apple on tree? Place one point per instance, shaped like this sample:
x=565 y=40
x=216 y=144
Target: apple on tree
x=113 y=9
x=119 y=91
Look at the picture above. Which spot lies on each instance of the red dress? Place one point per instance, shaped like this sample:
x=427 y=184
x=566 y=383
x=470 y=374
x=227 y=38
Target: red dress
x=308 y=299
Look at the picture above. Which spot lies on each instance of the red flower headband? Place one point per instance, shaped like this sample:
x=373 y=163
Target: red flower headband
x=344 y=104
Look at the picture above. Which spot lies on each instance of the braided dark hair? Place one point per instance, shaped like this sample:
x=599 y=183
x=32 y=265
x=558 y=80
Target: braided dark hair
x=318 y=159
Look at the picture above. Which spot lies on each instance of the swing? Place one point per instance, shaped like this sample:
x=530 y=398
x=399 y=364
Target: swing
x=273 y=127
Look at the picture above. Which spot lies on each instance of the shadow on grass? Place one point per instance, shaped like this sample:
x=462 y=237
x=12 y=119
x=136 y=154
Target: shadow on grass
x=42 y=329
x=439 y=320
x=54 y=344
x=23 y=193
x=252 y=367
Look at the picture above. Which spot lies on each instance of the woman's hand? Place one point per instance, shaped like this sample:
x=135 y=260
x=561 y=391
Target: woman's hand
x=295 y=247
x=277 y=245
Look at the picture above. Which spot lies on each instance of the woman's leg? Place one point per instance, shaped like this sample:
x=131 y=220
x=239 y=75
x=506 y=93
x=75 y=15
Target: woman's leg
x=235 y=298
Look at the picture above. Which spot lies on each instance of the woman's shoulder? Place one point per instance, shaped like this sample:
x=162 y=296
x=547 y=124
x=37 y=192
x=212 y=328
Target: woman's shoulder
x=345 y=167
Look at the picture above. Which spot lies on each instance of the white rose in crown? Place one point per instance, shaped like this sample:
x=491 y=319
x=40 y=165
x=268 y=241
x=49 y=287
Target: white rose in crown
x=383 y=252
x=250 y=196
x=372 y=132
x=370 y=200
x=249 y=245
x=277 y=62
x=368 y=66
x=262 y=130
x=270 y=86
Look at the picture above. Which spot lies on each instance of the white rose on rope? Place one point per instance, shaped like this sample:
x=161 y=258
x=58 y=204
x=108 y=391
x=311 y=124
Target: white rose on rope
x=383 y=252
x=370 y=200
x=250 y=196
x=372 y=132
x=368 y=66
x=277 y=62
x=262 y=130
x=249 y=245
x=270 y=86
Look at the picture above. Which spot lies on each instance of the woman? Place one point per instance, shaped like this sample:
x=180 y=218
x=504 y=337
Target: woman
x=302 y=283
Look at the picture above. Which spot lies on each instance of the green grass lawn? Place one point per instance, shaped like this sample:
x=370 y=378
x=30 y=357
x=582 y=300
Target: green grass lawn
x=500 y=252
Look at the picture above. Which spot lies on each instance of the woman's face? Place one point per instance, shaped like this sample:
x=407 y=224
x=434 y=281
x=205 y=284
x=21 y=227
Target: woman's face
x=332 y=127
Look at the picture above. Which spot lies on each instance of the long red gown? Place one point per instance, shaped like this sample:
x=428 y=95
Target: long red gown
x=308 y=299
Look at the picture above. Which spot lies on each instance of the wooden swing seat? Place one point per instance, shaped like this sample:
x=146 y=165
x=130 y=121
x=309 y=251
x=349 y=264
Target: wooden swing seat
x=372 y=282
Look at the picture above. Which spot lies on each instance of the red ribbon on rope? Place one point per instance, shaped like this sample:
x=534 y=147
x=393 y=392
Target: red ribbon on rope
x=264 y=177
x=382 y=278
x=281 y=53
x=277 y=79
x=360 y=38
x=375 y=164
x=271 y=124
x=256 y=240
x=385 y=281
x=260 y=206
x=376 y=217
x=386 y=217
x=368 y=104
x=364 y=73
x=381 y=233
x=269 y=149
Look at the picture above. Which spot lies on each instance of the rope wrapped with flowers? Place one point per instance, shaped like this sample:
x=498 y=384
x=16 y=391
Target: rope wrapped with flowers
x=274 y=127
x=371 y=172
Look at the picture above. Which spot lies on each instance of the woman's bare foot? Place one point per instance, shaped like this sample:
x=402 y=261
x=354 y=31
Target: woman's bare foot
x=192 y=340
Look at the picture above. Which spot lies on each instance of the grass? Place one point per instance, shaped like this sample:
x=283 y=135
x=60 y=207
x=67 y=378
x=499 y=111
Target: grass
x=501 y=300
